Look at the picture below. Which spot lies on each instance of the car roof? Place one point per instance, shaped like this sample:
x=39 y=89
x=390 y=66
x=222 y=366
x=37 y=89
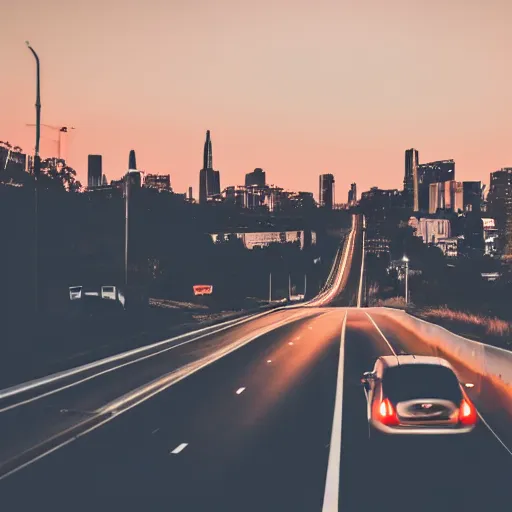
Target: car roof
x=411 y=359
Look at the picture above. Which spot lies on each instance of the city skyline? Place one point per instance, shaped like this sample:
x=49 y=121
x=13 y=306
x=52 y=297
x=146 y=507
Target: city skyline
x=269 y=93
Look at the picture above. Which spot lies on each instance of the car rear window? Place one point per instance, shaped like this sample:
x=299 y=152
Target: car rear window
x=408 y=382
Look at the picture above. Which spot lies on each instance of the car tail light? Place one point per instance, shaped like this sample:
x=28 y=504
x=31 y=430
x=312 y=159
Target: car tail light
x=387 y=414
x=467 y=413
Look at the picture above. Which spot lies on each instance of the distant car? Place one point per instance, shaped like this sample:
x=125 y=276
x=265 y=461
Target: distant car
x=410 y=394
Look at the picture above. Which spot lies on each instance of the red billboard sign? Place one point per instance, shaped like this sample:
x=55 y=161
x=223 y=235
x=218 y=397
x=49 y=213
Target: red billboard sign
x=203 y=289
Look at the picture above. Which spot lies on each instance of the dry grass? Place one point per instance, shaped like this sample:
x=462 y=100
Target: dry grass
x=174 y=304
x=392 y=302
x=492 y=325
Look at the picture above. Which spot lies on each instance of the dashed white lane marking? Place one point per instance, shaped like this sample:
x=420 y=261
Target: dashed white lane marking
x=310 y=328
x=332 y=482
x=179 y=448
x=291 y=343
x=239 y=391
x=269 y=360
x=381 y=333
x=156 y=430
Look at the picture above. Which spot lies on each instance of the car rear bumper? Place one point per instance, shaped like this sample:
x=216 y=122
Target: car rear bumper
x=421 y=430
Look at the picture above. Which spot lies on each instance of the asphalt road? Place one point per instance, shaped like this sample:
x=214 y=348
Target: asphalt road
x=272 y=445
x=265 y=415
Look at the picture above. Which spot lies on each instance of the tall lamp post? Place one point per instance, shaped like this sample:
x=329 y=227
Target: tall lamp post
x=405 y=259
x=37 y=170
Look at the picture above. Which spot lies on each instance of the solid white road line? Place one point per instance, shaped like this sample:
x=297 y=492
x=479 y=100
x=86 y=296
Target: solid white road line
x=360 y=293
x=332 y=482
x=239 y=391
x=179 y=448
x=382 y=334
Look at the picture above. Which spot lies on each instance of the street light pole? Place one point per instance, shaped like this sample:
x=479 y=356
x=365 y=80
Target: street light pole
x=127 y=186
x=305 y=285
x=406 y=260
x=270 y=288
x=37 y=170
x=37 y=162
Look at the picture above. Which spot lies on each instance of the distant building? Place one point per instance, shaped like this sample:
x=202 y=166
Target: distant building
x=499 y=207
x=411 y=179
x=301 y=200
x=209 y=179
x=265 y=238
x=432 y=172
x=447 y=195
x=255 y=178
x=12 y=159
x=449 y=246
x=117 y=183
x=431 y=230
x=381 y=198
x=134 y=178
x=94 y=171
x=378 y=246
x=132 y=162
x=190 y=196
x=472 y=196
x=490 y=234
x=160 y=182
x=326 y=194
x=352 y=194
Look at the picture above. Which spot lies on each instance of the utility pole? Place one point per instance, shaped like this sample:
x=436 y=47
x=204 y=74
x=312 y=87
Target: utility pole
x=37 y=170
x=305 y=285
x=289 y=287
x=270 y=288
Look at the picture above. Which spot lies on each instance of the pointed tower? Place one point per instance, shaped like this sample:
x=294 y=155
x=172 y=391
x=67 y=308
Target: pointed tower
x=207 y=154
x=132 y=164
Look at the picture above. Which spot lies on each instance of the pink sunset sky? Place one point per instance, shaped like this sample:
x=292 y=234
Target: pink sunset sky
x=297 y=88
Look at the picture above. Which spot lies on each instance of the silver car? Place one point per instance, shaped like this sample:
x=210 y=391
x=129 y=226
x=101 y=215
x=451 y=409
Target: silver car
x=408 y=394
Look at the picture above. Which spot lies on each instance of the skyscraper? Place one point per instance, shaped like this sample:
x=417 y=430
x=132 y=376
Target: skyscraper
x=326 y=194
x=352 y=194
x=94 y=171
x=499 y=202
x=209 y=179
x=132 y=164
x=446 y=195
x=411 y=179
x=433 y=172
x=472 y=196
x=255 y=178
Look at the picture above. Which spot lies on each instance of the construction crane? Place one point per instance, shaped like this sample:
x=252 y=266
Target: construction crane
x=61 y=129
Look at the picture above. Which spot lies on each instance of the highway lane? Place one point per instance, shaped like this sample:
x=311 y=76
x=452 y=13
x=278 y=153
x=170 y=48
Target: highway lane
x=263 y=448
x=268 y=446
x=451 y=473
x=48 y=416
